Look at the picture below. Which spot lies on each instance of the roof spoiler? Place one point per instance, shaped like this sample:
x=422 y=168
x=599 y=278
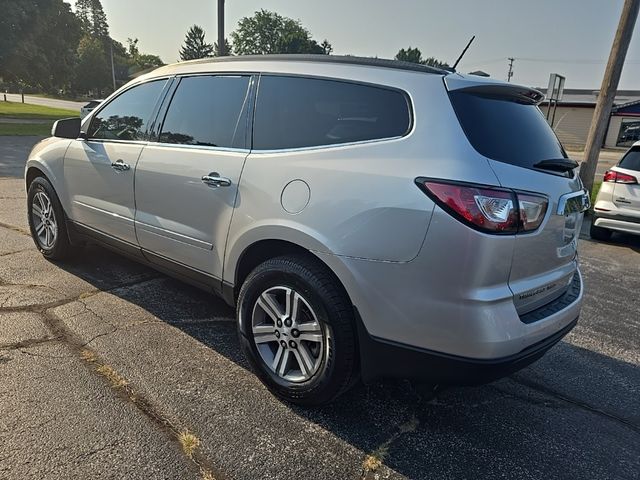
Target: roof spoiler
x=498 y=90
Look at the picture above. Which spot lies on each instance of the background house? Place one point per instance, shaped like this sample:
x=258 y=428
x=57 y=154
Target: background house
x=575 y=110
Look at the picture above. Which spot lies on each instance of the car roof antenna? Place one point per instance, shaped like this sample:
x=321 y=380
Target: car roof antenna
x=453 y=69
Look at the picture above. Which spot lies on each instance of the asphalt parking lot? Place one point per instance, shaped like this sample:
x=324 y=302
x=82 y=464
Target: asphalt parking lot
x=111 y=370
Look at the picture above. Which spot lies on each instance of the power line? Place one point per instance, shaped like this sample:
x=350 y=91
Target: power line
x=584 y=61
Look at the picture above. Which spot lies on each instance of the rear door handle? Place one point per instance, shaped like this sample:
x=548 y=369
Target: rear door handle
x=120 y=166
x=215 y=180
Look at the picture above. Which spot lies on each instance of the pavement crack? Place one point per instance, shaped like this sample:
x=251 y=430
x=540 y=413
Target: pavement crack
x=95 y=451
x=41 y=355
x=375 y=459
x=576 y=403
x=42 y=307
x=31 y=342
x=5 y=254
x=14 y=228
x=174 y=429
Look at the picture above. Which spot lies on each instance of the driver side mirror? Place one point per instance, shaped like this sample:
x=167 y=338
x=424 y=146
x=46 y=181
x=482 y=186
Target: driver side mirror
x=66 y=128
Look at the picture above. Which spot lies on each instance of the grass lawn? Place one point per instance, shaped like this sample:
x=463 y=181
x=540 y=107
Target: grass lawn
x=596 y=187
x=58 y=97
x=40 y=129
x=25 y=110
x=30 y=112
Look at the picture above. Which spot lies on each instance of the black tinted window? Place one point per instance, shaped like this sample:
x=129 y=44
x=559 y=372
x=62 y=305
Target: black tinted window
x=207 y=111
x=631 y=160
x=126 y=117
x=505 y=130
x=303 y=112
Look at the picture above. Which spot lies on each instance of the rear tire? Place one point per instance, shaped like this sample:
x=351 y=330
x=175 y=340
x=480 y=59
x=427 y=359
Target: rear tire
x=47 y=220
x=297 y=329
x=599 y=233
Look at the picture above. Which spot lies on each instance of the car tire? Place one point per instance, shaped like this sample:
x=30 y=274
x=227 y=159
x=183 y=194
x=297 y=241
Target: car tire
x=47 y=220
x=599 y=233
x=297 y=329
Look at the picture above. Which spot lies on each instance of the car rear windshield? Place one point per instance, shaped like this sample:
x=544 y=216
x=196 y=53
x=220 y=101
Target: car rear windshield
x=503 y=129
x=631 y=160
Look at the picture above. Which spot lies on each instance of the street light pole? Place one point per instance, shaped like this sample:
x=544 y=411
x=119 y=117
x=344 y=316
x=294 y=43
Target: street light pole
x=113 y=70
x=602 y=113
x=221 y=46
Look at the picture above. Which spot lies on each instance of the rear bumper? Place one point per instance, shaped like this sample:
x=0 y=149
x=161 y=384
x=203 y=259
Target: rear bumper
x=620 y=223
x=383 y=359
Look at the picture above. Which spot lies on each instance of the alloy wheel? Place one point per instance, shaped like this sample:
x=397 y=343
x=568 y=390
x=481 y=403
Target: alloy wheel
x=44 y=220
x=287 y=334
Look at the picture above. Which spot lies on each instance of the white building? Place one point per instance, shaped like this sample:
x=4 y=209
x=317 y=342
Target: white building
x=575 y=110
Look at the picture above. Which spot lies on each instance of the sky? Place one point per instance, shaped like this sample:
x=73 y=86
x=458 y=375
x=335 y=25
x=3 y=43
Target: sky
x=569 y=37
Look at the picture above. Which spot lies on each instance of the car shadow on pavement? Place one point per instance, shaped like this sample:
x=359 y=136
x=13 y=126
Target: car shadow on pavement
x=572 y=414
x=623 y=240
x=617 y=238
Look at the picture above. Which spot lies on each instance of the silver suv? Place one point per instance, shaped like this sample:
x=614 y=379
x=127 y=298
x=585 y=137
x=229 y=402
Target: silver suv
x=369 y=218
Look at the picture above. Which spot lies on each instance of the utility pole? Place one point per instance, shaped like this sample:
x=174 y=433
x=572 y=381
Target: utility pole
x=602 y=113
x=113 y=70
x=510 y=72
x=221 y=46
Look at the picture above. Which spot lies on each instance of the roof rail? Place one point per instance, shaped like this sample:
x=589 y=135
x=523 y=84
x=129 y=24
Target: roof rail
x=319 y=58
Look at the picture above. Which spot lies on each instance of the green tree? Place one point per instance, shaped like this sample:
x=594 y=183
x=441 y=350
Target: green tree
x=195 y=46
x=414 y=55
x=132 y=47
x=92 y=18
x=37 y=44
x=137 y=61
x=144 y=61
x=268 y=32
x=99 y=25
x=92 y=73
x=83 y=13
x=227 y=48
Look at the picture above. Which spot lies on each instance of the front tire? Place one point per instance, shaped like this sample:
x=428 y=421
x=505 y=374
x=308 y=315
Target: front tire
x=47 y=221
x=599 y=233
x=296 y=327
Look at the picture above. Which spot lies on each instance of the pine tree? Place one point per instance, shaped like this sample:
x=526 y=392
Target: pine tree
x=99 y=25
x=227 y=48
x=83 y=13
x=92 y=17
x=194 y=45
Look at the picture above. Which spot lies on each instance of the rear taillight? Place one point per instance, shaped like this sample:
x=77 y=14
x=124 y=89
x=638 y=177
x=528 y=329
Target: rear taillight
x=617 y=177
x=489 y=209
x=532 y=209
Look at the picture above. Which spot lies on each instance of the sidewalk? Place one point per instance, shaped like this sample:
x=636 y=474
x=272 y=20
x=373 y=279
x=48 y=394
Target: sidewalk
x=47 y=102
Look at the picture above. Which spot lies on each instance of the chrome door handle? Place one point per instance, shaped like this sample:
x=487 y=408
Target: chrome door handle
x=215 y=180
x=120 y=166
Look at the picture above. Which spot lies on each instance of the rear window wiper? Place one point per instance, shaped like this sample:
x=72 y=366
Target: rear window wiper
x=557 y=164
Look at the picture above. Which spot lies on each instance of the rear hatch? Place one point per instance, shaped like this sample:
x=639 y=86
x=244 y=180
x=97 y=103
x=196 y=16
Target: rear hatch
x=626 y=190
x=505 y=125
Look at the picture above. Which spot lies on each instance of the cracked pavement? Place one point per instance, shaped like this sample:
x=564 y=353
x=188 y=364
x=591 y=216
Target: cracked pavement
x=104 y=363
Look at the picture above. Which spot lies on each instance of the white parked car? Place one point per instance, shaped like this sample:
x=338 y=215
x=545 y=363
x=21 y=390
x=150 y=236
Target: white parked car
x=89 y=107
x=617 y=206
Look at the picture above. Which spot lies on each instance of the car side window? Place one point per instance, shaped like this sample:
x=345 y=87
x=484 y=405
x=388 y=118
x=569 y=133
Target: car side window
x=208 y=111
x=631 y=160
x=294 y=112
x=127 y=116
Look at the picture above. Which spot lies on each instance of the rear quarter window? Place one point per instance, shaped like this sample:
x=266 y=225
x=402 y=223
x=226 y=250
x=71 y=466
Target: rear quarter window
x=296 y=112
x=631 y=160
